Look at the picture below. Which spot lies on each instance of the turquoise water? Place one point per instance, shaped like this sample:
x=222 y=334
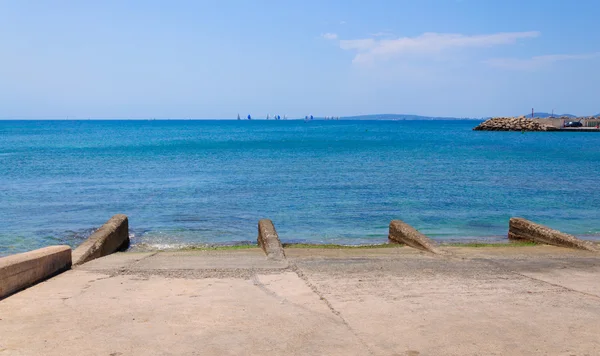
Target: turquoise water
x=206 y=182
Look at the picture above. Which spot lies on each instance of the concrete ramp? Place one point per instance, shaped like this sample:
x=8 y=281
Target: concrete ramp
x=329 y=302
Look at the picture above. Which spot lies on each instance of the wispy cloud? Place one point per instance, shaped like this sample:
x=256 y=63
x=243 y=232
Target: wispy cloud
x=382 y=34
x=371 y=49
x=329 y=36
x=342 y=22
x=537 y=61
x=363 y=45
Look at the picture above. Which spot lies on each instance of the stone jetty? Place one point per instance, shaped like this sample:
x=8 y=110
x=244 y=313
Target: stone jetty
x=513 y=124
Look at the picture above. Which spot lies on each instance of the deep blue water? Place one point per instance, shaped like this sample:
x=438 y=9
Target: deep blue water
x=198 y=182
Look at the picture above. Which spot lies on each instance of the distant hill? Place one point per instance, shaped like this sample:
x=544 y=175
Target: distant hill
x=545 y=114
x=403 y=117
x=420 y=117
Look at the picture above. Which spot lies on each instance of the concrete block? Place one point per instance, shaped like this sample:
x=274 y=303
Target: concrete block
x=269 y=240
x=520 y=229
x=402 y=233
x=26 y=269
x=111 y=237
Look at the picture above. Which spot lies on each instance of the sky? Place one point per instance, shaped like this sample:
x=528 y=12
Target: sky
x=215 y=59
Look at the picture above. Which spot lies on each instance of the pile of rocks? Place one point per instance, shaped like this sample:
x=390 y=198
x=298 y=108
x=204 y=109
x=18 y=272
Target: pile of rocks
x=512 y=124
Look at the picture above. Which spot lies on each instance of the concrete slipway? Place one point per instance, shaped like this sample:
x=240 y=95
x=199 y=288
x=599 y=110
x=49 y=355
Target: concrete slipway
x=390 y=301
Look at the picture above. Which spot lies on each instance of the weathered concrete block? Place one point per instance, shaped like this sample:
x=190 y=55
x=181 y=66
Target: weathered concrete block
x=402 y=233
x=269 y=240
x=111 y=237
x=26 y=269
x=522 y=229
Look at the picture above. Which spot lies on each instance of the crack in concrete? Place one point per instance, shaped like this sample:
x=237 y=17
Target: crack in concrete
x=127 y=269
x=264 y=288
x=302 y=276
x=87 y=286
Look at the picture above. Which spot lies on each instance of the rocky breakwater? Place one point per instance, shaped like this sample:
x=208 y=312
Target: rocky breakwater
x=512 y=124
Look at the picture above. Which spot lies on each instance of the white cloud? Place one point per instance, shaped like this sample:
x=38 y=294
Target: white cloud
x=329 y=36
x=537 y=61
x=359 y=45
x=342 y=22
x=375 y=49
x=382 y=34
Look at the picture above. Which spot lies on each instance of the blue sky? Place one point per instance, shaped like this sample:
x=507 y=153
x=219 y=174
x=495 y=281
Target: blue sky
x=213 y=59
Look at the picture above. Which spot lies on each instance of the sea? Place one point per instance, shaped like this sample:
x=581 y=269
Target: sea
x=207 y=182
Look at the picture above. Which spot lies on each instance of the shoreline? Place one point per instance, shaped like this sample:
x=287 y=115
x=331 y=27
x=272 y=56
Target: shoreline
x=326 y=246
x=493 y=240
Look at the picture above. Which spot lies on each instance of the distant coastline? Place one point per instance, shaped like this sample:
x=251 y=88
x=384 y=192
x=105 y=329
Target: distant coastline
x=367 y=117
x=393 y=117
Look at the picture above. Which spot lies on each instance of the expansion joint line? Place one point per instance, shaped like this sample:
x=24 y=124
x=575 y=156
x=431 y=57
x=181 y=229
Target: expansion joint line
x=293 y=267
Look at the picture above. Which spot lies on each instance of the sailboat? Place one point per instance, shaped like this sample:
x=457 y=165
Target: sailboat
x=267 y=116
x=239 y=117
x=249 y=117
x=284 y=117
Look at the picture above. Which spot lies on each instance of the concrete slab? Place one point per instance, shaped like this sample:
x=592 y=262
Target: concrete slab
x=451 y=306
x=397 y=251
x=585 y=280
x=204 y=264
x=508 y=252
x=114 y=262
x=126 y=315
x=573 y=269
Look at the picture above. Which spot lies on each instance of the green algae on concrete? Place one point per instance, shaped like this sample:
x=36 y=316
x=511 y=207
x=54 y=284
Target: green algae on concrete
x=217 y=247
x=491 y=244
x=335 y=246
